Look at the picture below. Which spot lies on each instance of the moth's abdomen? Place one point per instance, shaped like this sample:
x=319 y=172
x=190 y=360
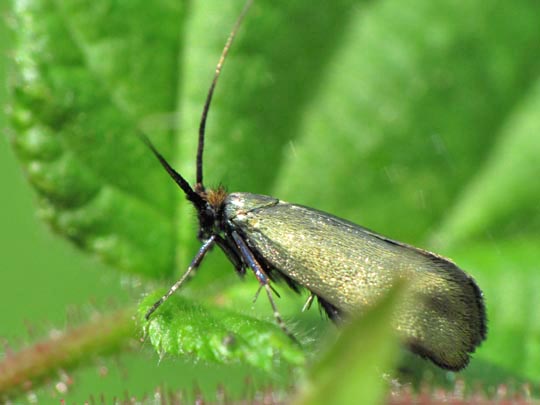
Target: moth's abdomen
x=442 y=316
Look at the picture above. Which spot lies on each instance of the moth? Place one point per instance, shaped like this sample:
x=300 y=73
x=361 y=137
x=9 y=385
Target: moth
x=345 y=266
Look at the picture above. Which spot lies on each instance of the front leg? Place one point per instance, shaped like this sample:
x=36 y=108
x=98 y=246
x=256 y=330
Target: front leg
x=263 y=279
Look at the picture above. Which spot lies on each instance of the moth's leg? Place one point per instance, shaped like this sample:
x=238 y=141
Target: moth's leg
x=259 y=291
x=309 y=301
x=206 y=246
x=259 y=272
x=232 y=254
x=256 y=296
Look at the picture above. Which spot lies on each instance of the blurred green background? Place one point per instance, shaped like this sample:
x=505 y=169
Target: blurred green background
x=421 y=123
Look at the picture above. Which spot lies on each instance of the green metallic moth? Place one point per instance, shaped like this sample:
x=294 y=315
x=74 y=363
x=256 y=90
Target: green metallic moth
x=347 y=267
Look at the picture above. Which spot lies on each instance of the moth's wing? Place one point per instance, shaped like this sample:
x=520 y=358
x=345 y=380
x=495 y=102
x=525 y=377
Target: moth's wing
x=443 y=317
x=453 y=315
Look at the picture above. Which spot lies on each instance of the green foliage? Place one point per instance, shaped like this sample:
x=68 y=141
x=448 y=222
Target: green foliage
x=184 y=328
x=352 y=370
x=417 y=120
x=79 y=87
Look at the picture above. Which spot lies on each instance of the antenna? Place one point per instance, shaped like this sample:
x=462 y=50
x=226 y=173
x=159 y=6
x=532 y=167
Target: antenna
x=202 y=126
x=177 y=177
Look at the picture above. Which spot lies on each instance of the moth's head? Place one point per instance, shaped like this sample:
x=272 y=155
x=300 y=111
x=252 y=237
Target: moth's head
x=210 y=213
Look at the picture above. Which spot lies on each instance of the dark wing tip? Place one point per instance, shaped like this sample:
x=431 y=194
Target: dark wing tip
x=473 y=297
x=456 y=364
x=461 y=305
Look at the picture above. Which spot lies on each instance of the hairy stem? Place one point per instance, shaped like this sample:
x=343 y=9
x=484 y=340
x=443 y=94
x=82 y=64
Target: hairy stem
x=100 y=335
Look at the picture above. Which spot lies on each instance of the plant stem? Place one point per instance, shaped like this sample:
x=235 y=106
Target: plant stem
x=102 y=334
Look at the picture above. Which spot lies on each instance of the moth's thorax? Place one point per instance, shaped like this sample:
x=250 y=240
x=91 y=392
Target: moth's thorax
x=238 y=205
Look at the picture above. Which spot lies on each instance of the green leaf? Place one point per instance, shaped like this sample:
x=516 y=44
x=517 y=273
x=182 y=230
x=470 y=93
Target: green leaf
x=85 y=73
x=184 y=328
x=352 y=370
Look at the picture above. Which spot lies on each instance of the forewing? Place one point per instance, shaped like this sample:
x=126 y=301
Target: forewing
x=442 y=316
